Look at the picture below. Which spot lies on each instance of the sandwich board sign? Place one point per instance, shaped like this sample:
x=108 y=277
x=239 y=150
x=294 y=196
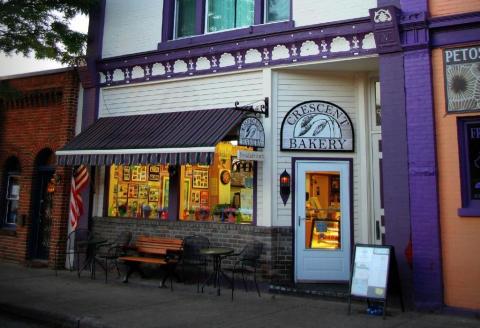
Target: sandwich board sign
x=371 y=267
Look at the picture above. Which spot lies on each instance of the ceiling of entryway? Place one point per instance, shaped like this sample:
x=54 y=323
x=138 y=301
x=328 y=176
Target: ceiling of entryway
x=364 y=64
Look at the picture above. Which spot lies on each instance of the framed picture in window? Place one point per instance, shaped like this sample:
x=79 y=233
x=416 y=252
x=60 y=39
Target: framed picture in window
x=200 y=179
x=126 y=173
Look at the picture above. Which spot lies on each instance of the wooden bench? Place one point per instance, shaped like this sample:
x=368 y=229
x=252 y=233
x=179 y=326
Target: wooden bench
x=164 y=252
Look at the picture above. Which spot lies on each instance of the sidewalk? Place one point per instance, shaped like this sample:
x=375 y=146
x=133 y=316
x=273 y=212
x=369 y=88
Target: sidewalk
x=72 y=302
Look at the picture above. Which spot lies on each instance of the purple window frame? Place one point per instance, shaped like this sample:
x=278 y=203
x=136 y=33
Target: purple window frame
x=260 y=27
x=470 y=207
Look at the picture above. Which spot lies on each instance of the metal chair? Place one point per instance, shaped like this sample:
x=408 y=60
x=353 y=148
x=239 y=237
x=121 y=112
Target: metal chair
x=110 y=252
x=247 y=263
x=71 y=249
x=192 y=257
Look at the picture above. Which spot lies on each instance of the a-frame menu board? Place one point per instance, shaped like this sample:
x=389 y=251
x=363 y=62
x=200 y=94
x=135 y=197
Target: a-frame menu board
x=370 y=273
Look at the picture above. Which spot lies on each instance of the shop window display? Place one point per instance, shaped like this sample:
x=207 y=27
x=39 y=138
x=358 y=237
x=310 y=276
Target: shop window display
x=221 y=192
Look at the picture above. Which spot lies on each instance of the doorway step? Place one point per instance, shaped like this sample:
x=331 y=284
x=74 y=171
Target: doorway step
x=323 y=290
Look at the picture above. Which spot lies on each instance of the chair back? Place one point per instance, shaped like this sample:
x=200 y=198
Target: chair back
x=192 y=246
x=123 y=239
x=251 y=253
x=76 y=240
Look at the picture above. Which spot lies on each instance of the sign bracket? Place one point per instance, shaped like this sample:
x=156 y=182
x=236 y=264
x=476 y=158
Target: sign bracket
x=259 y=109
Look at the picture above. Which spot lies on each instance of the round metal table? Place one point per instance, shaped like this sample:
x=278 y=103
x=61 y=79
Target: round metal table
x=216 y=276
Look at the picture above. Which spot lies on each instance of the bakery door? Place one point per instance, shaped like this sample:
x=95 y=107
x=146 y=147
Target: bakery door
x=322 y=220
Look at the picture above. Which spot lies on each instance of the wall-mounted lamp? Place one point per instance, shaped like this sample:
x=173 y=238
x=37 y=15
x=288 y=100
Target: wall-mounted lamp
x=52 y=184
x=285 y=186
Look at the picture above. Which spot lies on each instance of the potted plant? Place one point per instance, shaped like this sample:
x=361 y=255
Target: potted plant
x=230 y=214
x=191 y=213
x=218 y=212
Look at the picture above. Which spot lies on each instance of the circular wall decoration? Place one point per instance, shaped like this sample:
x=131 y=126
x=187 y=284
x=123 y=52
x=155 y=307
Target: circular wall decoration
x=225 y=177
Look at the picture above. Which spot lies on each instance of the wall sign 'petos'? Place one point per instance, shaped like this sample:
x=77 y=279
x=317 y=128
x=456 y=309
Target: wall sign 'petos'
x=317 y=126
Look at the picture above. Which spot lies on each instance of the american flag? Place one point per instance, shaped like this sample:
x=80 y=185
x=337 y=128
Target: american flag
x=79 y=181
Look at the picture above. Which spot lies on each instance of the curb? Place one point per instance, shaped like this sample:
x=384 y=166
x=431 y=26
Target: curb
x=52 y=318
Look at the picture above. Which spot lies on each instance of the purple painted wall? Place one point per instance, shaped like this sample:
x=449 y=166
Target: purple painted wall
x=395 y=164
x=414 y=5
x=424 y=215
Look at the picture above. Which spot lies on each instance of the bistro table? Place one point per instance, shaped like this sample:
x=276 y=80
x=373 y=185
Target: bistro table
x=216 y=253
x=92 y=245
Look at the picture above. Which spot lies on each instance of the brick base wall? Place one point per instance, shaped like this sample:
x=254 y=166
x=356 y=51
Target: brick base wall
x=276 y=260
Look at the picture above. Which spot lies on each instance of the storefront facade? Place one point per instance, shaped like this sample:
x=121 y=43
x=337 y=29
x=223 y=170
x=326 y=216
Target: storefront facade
x=37 y=115
x=455 y=62
x=335 y=89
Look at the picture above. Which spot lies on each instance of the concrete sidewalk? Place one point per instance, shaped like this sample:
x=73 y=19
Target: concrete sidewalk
x=72 y=302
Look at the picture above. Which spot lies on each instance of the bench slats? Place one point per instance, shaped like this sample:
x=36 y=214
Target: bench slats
x=152 y=260
x=154 y=250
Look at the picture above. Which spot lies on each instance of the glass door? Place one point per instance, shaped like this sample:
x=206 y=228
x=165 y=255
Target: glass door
x=322 y=225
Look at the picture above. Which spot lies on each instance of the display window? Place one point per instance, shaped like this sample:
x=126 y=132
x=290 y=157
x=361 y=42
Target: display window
x=221 y=192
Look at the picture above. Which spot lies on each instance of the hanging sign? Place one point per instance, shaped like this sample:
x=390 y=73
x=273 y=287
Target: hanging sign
x=317 y=126
x=246 y=155
x=252 y=133
x=462 y=76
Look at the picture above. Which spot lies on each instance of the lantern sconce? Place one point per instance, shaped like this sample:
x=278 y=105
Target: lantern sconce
x=52 y=184
x=285 y=186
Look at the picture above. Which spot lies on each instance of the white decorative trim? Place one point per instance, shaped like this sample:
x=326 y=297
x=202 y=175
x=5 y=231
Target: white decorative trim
x=309 y=48
x=368 y=41
x=253 y=56
x=135 y=151
x=226 y=60
x=158 y=69
x=137 y=72
x=180 y=66
x=102 y=76
x=382 y=16
x=280 y=52
x=203 y=63
x=118 y=75
x=339 y=44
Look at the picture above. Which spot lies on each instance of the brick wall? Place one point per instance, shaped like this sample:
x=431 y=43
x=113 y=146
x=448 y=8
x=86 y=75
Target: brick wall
x=42 y=118
x=276 y=260
x=427 y=269
x=452 y=7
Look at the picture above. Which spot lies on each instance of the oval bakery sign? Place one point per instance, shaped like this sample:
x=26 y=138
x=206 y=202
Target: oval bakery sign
x=317 y=126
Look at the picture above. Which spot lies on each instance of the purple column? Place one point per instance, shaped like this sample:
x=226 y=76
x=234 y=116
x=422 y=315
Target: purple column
x=424 y=214
x=396 y=191
x=427 y=266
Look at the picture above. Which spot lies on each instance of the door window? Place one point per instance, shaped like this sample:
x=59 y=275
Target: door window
x=322 y=209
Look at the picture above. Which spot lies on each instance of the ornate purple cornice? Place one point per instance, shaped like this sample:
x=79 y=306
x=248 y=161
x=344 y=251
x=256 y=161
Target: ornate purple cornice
x=385 y=22
x=414 y=31
x=455 y=29
x=313 y=43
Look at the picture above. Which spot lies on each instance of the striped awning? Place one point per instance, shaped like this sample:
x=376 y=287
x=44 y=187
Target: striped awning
x=175 y=138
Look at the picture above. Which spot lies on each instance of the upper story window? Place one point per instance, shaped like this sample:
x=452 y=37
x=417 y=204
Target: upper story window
x=185 y=20
x=229 y=14
x=196 y=17
x=277 y=10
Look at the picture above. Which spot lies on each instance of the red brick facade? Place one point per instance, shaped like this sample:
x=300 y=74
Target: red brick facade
x=41 y=118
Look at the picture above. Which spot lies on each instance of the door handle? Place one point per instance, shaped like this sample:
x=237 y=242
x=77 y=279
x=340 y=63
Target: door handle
x=300 y=219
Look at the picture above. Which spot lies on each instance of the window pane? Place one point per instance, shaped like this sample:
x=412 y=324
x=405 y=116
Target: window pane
x=222 y=192
x=13 y=195
x=228 y=14
x=185 y=18
x=139 y=191
x=278 y=10
x=244 y=13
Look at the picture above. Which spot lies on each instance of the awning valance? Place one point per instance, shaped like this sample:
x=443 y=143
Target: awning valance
x=175 y=138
